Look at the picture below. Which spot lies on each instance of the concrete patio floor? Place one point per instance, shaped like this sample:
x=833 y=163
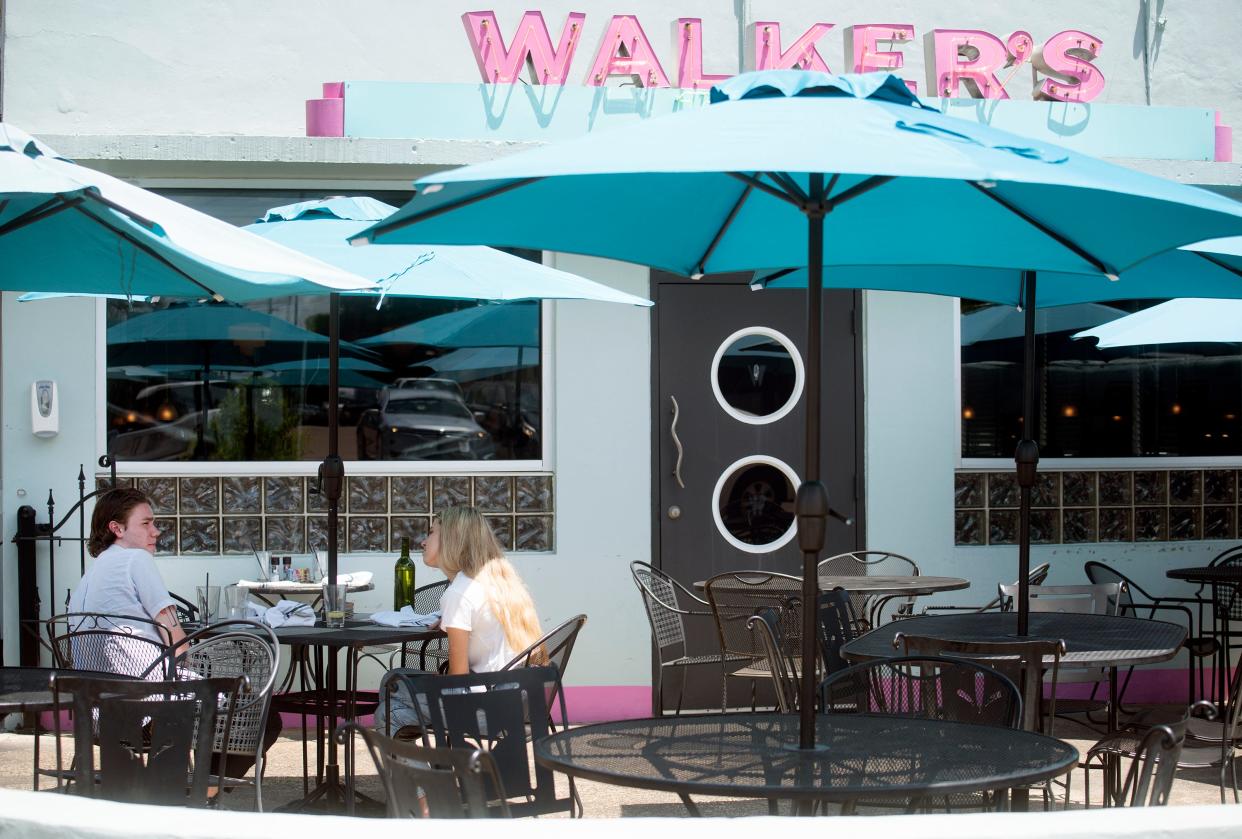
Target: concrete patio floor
x=283 y=782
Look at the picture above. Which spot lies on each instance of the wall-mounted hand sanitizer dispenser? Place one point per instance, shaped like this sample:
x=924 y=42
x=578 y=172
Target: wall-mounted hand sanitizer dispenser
x=44 y=408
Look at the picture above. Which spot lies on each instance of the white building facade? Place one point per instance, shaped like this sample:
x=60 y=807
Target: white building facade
x=227 y=104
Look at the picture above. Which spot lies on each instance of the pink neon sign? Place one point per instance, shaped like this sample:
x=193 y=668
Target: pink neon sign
x=1066 y=59
x=625 y=51
x=802 y=55
x=968 y=62
x=972 y=58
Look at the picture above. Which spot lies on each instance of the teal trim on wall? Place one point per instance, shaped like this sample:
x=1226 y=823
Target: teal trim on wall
x=517 y=113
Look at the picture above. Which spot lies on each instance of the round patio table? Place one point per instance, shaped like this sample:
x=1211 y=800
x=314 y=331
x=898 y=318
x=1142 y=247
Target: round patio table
x=1214 y=575
x=1090 y=640
x=756 y=756
x=322 y=698
x=1208 y=574
x=879 y=584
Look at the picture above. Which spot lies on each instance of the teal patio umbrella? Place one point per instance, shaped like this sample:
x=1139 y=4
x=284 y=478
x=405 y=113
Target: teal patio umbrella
x=323 y=228
x=792 y=168
x=67 y=228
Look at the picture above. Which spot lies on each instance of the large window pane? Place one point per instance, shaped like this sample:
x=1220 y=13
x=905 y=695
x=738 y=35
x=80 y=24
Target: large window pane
x=420 y=380
x=1171 y=400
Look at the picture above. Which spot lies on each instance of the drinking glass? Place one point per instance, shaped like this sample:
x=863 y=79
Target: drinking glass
x=264 y=558
x=208 y=604
x=235 y=598
x=334 y=604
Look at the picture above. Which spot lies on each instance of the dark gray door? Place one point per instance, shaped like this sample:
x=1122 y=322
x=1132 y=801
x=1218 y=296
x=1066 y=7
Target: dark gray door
x=729 y=366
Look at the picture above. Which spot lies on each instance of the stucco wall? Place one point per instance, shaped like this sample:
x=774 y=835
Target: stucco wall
x=238 y=67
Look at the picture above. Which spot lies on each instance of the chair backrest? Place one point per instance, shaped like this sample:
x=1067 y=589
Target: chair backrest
x=735 y=597
x=433 y=652
x=553 y=649
x=155 y=738
x=836 y=622
x=927 y=687
x=121 y=644
x=1149 y=780
x=766 y=625
x=664 y=609
x=240 y=649
x=422 y=782
x=1099 y=573
x=866 y=563
x=1022 y=662
x=1094 y=599
x=497 y=713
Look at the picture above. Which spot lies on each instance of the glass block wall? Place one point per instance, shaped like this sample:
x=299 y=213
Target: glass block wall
x=1074 y=507
x=213 y=515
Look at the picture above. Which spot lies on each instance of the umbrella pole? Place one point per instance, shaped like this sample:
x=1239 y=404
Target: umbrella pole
x=812 y=500
x=1026 y=457
x=331 y=477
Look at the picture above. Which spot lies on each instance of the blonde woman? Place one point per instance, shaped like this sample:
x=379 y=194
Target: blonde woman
x=486 y=611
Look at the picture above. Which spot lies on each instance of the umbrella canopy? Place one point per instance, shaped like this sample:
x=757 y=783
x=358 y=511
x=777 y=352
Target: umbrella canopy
x=998 y=323
x=314 y=371
x=472 y=363
x=322 y=229
x=128 y=241
x=1181 y=321
x=806 y=169
x=480 y=326
x=218 y=335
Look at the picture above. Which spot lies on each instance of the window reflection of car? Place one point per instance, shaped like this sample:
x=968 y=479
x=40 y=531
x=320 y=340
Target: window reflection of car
x=445 y=386
x=417 y=424
x=162 y=421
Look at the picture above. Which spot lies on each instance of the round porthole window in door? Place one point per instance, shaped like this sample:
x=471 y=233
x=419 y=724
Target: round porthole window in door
x=753 y=504
x=757 y=375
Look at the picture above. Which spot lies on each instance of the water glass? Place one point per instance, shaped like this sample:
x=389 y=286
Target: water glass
x=235 y=599
x=334 y=595
x=208 y=604
x=264 y=558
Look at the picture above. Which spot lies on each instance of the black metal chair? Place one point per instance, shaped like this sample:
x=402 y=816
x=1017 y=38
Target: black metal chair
x=870 y=607
x=1037 y=577
x=553 y=648
x=1021 y=662
x=239 y=649
x=122 y=644
x=421 y=782
x=155 y=738
x=735 y=598
x=767 y=626
x=926 y=687
x=668 y=603
x=1138 y=603
x=432 y=654
x=836 y=626
x=1155 y=755
x=498 y=713
x=1093 y=599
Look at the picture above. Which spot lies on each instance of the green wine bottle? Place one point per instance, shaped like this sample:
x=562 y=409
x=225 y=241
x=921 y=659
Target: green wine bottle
x=403 y=578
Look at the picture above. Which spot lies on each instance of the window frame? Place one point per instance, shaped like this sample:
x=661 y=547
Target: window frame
x=192 y=468
x=999 y=464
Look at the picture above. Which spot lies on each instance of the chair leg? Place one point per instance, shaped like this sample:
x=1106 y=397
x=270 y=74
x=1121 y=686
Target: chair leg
x=681 y=692
x=657 y=693
x=724 y=689
x=258 y=781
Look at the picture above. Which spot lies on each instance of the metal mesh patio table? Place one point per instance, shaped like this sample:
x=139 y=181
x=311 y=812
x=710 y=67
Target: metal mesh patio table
x=1090 y=640
x=756 y=756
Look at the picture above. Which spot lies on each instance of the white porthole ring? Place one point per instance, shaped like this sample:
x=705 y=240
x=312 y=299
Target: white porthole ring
x=754 y=460
x=799 y=375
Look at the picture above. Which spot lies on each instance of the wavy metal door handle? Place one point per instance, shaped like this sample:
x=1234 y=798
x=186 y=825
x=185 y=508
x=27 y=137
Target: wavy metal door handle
x=676 y=442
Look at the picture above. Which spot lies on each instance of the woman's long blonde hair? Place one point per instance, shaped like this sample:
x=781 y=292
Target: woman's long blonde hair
x=468 y=546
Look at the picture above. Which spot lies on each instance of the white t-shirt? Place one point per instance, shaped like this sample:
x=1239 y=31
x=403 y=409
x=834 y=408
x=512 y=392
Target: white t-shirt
x=123 y=581
x=465 y=605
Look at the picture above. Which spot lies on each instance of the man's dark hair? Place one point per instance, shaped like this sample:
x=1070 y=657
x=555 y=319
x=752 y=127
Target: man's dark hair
x=113 y=505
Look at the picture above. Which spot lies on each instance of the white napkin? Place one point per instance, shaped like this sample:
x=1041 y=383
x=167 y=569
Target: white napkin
x=289 y=613
x=406 y=617
x=357 y=578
